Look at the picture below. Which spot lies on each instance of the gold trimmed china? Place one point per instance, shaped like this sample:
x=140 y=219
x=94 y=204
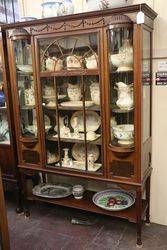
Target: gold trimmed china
x=91 y=62
x=78 y=152
x=95 y=92
x=124 y=133
x=74 y=61
x=53 y=64
x=93 y=121
x=74 y=92
x=125 y=96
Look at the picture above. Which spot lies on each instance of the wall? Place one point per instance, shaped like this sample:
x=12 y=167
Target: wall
x=159 y=162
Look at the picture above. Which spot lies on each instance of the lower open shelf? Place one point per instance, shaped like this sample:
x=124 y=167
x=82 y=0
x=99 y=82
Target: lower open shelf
x=87 y=204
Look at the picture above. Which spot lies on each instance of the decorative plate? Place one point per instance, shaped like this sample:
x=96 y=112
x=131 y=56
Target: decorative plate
x=93 y=121
x=78 y=151
x=77 y=104
x=53 y=191
x=114 y=200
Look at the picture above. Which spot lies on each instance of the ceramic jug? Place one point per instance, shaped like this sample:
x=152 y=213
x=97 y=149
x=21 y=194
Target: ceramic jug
x=125 y=95
x=66 y=8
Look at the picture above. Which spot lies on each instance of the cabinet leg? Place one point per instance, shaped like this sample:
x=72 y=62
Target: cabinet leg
x=24 y=186
x=18 y=194
x=148 y=200
x=139 y=216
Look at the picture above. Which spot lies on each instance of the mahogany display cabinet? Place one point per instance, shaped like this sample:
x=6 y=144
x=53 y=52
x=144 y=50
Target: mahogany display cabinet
x=81 y=88
x=8 y=155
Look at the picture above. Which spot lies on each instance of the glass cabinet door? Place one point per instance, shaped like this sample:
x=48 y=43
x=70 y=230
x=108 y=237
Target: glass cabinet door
x=4 y=128
x=25 y=88
x=120 y=41
x=71 y=102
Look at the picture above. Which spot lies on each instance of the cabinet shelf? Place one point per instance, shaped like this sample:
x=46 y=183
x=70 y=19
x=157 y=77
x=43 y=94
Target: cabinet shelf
x=71 y=140
x=93 y=108
x=76 y=72
x=121 y=111
x=3 y=108
x=87 y=204
x=27 y=107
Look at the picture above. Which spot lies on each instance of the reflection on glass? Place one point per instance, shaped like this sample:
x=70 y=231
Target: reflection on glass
x=121 y=86
x=72 y=102
x=146 y=85
x=4 y=128
x=69 y=53
x=25 y=87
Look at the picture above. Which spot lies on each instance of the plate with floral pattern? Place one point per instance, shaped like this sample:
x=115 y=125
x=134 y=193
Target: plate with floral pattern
x=114 y=200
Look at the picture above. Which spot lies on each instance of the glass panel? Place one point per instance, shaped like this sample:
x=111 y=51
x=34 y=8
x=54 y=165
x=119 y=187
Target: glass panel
x=72 y=103
x=121 y=87
x=69 y=53
x=25 y=86
x=4 y=128
x=146 y=85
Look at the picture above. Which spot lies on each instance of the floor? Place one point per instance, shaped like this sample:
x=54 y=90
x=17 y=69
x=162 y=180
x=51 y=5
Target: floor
x=50 y=228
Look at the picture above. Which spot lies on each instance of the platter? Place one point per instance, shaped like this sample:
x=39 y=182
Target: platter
x=93 y=121
x=53 y=191
x=77 y=104
x=114 y=200
x=78 y=151
x=79 y=136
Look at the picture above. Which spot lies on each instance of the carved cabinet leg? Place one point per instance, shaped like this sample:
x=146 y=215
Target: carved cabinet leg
x=148 y=200
x=139 y=216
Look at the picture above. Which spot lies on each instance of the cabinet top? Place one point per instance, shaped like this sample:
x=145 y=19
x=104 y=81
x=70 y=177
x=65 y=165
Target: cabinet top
x=93 y=14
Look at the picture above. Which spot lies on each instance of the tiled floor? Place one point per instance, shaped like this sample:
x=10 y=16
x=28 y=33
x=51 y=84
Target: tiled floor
x=50 y=228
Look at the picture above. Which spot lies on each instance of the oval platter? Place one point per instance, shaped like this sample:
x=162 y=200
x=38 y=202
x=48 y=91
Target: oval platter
x=53 y=191
x=114 y=200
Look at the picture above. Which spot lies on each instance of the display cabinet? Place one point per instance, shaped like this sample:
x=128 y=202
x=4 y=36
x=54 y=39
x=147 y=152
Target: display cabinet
x=8 y=158
x=81 y=89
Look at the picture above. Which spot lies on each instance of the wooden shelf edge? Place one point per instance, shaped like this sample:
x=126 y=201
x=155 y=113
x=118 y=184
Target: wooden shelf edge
x=89 y=176
x=87 y=204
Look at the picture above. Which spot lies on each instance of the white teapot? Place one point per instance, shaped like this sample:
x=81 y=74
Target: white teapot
x=125 y=95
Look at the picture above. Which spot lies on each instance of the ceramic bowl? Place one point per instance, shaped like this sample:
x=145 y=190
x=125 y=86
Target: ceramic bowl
x=54 y=64
x=50 y=9
x=124 y=133
x=78 y=191
x=26 y=68
x=104 y=4
x=116 y=59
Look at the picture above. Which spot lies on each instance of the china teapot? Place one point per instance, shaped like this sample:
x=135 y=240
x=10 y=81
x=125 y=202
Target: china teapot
x=125 y=95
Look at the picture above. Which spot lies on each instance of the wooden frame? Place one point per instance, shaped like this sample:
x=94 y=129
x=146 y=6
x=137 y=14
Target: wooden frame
x=79 y=24
x=3 y=219
x=8 y=158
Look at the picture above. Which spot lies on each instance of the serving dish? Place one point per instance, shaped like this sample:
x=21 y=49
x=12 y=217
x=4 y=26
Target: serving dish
x=78 y=152
x=114 y=200
x=93 y=121
x=124 y=133
x=53 y=191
